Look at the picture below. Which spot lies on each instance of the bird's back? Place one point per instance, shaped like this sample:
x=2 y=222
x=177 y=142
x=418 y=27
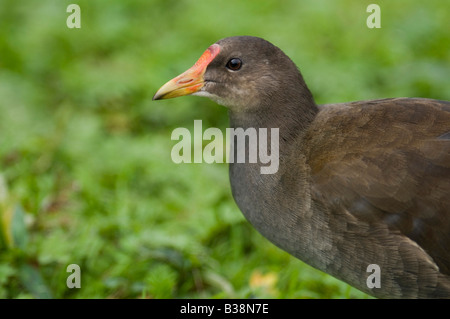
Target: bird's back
x=381 y=170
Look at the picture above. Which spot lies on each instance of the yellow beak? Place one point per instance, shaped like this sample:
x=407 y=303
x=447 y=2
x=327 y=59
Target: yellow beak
x=190 y=81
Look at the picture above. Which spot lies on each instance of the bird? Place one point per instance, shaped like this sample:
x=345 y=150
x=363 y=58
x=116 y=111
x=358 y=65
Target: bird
x=359 y=184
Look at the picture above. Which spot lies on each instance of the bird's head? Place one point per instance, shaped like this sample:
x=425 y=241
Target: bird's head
x=241 y=73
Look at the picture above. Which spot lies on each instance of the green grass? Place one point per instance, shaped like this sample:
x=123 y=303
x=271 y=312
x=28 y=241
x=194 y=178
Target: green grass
x=85 y=171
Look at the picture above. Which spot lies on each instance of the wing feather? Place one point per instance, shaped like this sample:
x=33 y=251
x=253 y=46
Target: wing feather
x=387 y=161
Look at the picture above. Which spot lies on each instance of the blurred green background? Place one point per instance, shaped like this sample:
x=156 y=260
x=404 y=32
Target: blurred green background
x=85 y=170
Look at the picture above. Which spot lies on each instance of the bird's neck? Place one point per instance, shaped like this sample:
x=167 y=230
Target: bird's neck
x=259 y=196
x=290 y=116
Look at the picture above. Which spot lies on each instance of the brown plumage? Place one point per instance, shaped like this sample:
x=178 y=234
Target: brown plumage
x=358 y=183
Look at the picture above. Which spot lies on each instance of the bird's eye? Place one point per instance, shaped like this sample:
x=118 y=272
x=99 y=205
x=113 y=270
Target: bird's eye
x=234 y=64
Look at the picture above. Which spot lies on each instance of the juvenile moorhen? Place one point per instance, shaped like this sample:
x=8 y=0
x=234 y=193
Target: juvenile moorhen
x=358 y=183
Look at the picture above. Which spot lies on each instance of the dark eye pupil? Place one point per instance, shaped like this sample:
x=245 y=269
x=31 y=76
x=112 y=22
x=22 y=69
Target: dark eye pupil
x=234 y=64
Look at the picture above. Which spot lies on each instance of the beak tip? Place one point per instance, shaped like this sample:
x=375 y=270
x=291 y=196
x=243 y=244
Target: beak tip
x=158 y=96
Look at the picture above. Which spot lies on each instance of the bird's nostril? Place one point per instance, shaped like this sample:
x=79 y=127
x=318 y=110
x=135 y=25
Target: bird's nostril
x=185 y=81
